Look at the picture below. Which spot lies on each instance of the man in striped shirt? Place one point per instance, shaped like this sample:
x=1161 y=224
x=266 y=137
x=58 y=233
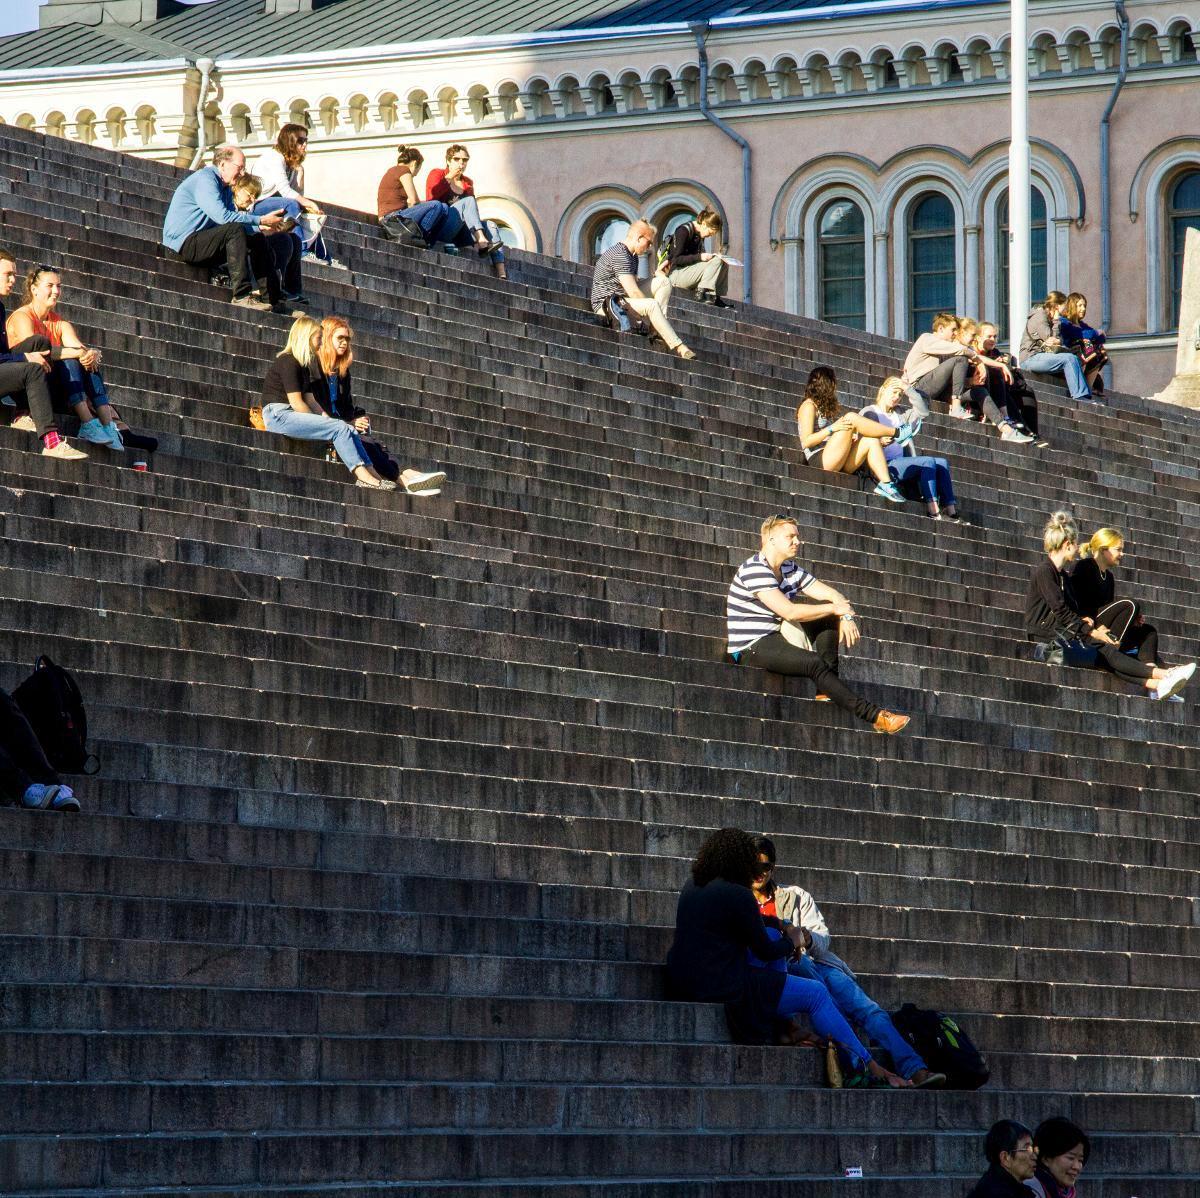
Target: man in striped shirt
x=615 y=277
x=763 y=599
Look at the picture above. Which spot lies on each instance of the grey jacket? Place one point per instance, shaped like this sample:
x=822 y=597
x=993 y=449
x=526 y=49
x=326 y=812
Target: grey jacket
x=1038 y=328
x=794 y=905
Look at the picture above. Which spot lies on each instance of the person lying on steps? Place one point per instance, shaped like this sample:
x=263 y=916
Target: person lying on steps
x=719 y=935
x=1062 y=635
x=24 y=377
x=74 y=379
x=1010 y=1155
x=331 y=388
x=844 y=442
x=763 y=600
x=795 y=907
x=615 y=279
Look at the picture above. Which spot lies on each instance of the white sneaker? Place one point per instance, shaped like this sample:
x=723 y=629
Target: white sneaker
x=1175 y=680
x=1011 y=433
x=425 y=482
x=67 y=453
x=24 y=423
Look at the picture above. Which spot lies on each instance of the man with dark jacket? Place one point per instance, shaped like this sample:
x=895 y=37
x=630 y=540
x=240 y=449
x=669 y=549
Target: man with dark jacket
x=1011 y=1161
x=684 y=265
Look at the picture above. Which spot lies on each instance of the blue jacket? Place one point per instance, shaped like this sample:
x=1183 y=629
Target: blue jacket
x=202 y=201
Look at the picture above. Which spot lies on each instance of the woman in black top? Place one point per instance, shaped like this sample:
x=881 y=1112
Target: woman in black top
x=1063 y=635
x=718 y=927
x=1094 y=589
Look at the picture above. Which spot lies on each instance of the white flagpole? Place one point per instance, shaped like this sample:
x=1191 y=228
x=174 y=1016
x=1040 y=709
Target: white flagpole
x=1018 y=174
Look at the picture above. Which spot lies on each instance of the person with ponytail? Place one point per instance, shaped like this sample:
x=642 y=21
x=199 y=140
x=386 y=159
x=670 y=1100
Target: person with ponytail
x=289 y=408
x=331 y=389
x=1062 y=1151
x=405 y=217
x=1063 y=635
x=1095 y=592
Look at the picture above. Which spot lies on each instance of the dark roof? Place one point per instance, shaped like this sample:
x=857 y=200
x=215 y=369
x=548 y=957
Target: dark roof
x=239 y=28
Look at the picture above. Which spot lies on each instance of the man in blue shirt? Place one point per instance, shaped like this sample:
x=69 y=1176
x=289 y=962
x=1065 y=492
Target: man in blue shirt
x=204 y=228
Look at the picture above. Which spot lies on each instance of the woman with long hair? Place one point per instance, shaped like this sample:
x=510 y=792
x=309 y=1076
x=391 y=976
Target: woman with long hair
x=405 y=217
x=1082 y=340
x=1094 y=588
x=840 y=441
x=1042 y=346
x=719 y=934
x=1064 y=636
x=280 y=169
x=75 y=381
x=331 y=388
x=289 y=407
x=453 y=186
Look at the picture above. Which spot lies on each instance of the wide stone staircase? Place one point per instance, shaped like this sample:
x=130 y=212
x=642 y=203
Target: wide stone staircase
x=373 y=890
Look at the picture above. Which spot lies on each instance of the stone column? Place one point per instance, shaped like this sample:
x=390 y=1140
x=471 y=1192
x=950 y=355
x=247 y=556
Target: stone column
x=881 y=285
x=1184 y=388
x=971 y=296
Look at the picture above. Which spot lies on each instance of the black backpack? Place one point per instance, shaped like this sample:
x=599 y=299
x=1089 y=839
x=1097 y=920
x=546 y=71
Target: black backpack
x=943 y=1045
x=53 y=705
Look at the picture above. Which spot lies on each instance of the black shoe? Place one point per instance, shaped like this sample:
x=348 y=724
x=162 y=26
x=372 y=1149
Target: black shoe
x=1098 y=386
x=488 y=247
x=711 y=298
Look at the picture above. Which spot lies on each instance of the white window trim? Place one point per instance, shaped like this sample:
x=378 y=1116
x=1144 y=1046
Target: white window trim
x=1158 y=266
x=905 y=198
x=817 y=203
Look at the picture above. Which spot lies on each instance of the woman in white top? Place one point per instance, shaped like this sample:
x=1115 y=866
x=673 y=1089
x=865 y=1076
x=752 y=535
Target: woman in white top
x=280 y=170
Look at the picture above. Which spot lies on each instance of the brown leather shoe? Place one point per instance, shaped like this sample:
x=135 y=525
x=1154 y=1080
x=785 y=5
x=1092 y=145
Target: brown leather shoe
x=927 y=1079
x=889 y=723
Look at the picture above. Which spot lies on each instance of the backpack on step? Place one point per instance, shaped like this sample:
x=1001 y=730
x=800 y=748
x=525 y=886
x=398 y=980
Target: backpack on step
x=621 y=319
x=943 y=1045
x=53 y=705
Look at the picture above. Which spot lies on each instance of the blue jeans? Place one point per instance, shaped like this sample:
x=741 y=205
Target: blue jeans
x=468 y=208
x=862 y=1011
x=1065 y=364
x=70 y=384
x=811 y=997
x=927 y=475
x=304 y=426
x=437 y=221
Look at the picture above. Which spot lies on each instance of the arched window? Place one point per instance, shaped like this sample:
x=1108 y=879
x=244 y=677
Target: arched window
x=842 y=265
x=1039 y=284
x=606 y=231
x=1183 y=213
x=931 y=272
x=668 y=225
x=507 y=234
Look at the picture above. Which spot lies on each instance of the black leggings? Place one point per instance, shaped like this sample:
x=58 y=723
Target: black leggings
x=1118 y=617
x=777 y=655
x=22 y=759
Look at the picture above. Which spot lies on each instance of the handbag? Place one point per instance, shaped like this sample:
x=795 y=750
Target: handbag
x=310 y=225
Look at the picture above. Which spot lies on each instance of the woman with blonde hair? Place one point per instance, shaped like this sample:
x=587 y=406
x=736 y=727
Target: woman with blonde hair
x=839 y=441
x=1082 y=340
x=916 y=476
x=289 y=408
x=331 y=388
x=1062 y=635
x=1042 y=346
x=1095 y=594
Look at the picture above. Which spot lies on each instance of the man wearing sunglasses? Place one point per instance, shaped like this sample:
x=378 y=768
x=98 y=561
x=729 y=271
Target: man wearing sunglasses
x=769 y=627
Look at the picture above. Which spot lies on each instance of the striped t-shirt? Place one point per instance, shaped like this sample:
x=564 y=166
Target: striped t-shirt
x=617 y=260
x=747 y=617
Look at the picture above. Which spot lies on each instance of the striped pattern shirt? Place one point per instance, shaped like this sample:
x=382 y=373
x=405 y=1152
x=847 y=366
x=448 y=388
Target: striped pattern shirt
x=617 y=260
x=748 y=618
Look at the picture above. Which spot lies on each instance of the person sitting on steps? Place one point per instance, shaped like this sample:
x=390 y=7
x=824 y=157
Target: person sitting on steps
x=1042 y=347
x=1085 y=342
x=1007 y=388
x=719 y=935
x=1061 y=634
x=289 y=408
x=332 y=390
x=203 y=227
x=917 y=476
x=26 y=775
x=936 y=367
x=843 y=442
x=1094 y=589
x=763 y=601
x=452 y=186
x=74 y=380
x=1010 y=1155
x=280 y=170
x=685 y=265
x=614 y=279
x=795 y=907
x=24 y=377
x=405 y=218
x=977 y=388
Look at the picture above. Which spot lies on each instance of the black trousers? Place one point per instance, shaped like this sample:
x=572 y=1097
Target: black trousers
x=777 y=655
x=1021 y=409
x=1118 y=617
x=27 y=383
x=22 y=759
x=946 y=380
x=274 y=258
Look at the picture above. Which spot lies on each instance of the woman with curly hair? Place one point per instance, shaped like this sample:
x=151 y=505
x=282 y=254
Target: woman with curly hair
x=718 y=930
x=839 y=441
